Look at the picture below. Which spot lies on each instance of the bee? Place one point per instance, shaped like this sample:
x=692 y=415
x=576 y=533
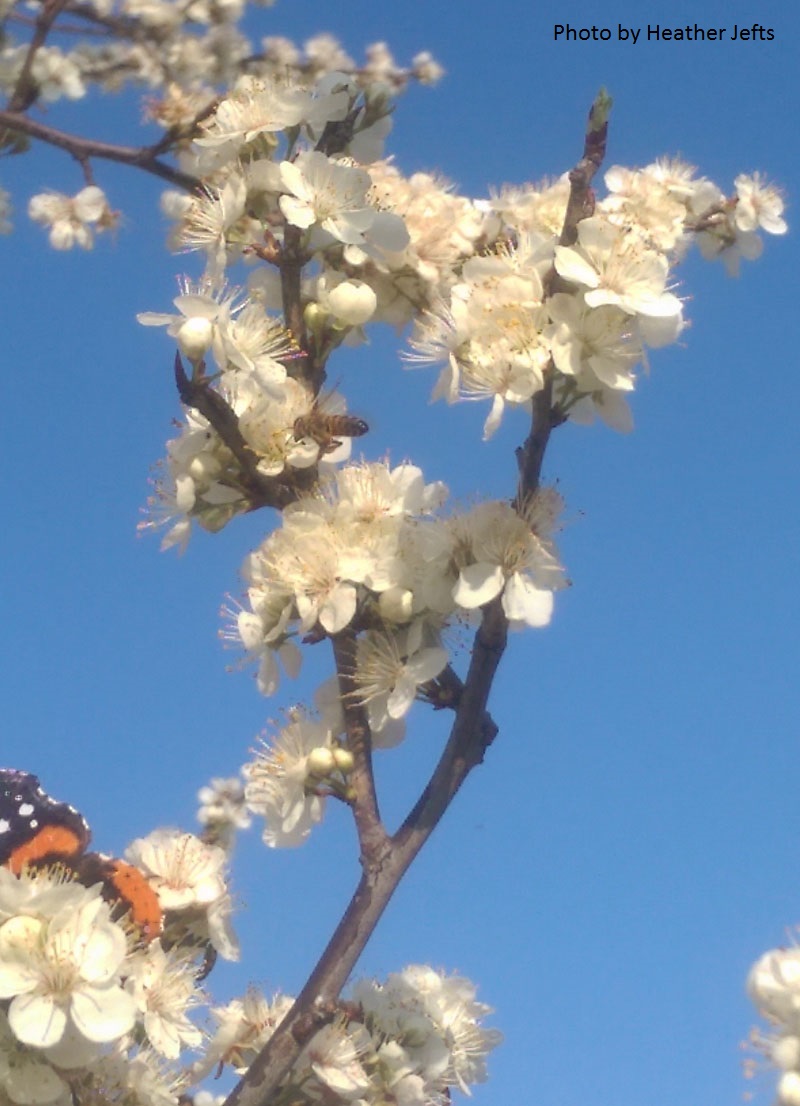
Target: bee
x=326 y=429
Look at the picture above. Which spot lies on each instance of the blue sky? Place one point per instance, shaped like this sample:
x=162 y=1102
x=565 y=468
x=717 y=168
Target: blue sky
x=631 y=843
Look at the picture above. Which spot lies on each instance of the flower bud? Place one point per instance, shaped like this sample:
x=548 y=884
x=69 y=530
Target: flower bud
x=352 y=302
x=785 y=1052
x=789 y=1089
x=343 y=759
x=194 y=337
x=774 y=983
x=320 y=762
x=316 y=318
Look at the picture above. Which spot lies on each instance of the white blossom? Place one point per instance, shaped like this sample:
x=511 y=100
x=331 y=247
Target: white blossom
x=333 y=1056
x=281 y=783
x=390 y=668
x=65 y=969
x=321 y=192
x=207 y=303
x=163 y=986
x=617 y=270
x=222 y=802
x=182 y=869
x=500 y=552
x=243 y=1027
x=72 y=219
x=760 y=205
x=427 y=1024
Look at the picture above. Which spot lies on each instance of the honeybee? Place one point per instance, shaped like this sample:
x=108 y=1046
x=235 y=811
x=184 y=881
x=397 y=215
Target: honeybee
x=327 y=429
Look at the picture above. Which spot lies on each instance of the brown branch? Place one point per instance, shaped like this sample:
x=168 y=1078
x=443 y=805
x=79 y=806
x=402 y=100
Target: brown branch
x=580 y=205
x=196 y=392
x=293 y=256
x=113 y=24
x=292 y=259
x=581 y=198
x=469 y=736
x=105 y=29
x=372 y=836
x=25 y=91
x=445 y=693
x=530 y=456
x=259 y=1085
x=138 y=157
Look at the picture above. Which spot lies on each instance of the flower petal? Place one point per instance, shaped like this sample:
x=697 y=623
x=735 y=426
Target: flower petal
x=478 y=584
x=37 y=1020
x=103 y=1013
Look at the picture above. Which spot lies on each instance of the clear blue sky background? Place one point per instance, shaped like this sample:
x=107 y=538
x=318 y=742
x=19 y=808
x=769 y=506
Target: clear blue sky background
x=632 y=842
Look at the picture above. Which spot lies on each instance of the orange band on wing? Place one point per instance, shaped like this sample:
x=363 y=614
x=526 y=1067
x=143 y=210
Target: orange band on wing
x=56 y=842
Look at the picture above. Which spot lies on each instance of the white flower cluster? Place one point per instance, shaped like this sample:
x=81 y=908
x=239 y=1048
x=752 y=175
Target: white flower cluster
x=260 y=175
x=189 y=876
x=90 y=1009
x=392 y=243
x=370 y=246
x=500 y=329
x=366 y=549
x=289 y=778
x=222 y=811
x=408 y=1041
x=93 y=1009
x=491 y=292
x=336 y=239
x=185 y=50
x=72 y=219
x=774 y=987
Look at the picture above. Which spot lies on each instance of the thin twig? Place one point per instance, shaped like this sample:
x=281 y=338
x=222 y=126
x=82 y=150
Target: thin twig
x=291 y=261
x=26 y=90
x=581 y=199
x=139 y=157
x=196 y=392
x=371 y=834
x=309 y=367
x=580 y=205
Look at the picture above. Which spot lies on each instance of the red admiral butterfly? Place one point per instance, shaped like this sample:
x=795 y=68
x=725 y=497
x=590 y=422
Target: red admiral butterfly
x=36 y=829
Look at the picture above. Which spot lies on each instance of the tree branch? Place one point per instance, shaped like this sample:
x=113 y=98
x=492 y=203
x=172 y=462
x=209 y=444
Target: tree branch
x=580 y=205
x=469 y=736
x=292 y=258
x=139 y=157
x=372 y=836
x=530 y=456
x=25 y=90
x=445 y=693
x=196 y=392
x=581 y=198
